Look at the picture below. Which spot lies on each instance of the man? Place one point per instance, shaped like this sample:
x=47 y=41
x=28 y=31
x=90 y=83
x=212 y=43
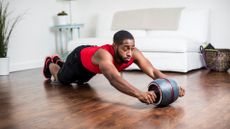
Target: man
x=86 y=61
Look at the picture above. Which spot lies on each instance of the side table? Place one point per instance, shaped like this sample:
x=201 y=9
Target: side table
x=64 y=35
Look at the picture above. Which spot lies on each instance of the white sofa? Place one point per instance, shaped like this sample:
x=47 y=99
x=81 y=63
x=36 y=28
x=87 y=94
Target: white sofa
x=173 y=48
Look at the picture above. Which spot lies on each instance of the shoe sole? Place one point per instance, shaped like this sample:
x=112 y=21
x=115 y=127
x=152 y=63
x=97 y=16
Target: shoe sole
x=45 y=64
x=56 y=55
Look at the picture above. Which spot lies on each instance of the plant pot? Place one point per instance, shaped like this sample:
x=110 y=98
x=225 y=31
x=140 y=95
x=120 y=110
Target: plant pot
x=4 y=66
x=62 y=20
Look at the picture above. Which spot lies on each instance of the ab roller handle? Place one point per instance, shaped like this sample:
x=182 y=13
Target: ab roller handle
x=166 y=90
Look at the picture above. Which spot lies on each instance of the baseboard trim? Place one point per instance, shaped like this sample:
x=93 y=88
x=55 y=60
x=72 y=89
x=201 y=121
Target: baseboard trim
x=26 y=65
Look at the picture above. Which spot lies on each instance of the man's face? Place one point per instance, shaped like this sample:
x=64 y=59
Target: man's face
x=124 y=51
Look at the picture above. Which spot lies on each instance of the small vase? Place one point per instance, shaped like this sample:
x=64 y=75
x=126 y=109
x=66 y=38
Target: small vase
x=4 y=66
x=62 y=20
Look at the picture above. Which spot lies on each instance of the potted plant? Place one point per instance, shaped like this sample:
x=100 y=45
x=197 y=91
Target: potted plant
x=62 y=18
x=6 y=27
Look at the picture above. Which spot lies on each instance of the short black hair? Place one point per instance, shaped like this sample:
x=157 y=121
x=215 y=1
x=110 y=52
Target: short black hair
x=121 y=35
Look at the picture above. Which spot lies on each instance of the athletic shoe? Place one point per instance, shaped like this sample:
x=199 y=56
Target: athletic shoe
x=57 y=60
x=46 y=70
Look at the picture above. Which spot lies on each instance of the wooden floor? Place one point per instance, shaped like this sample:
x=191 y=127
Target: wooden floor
x=29 y=102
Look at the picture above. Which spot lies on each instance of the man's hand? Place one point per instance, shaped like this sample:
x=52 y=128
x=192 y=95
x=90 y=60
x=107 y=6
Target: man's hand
x=181 y=91
x=148 y=97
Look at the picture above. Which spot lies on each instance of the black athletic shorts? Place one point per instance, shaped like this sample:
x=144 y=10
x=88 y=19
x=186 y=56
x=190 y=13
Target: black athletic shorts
x=73 y=70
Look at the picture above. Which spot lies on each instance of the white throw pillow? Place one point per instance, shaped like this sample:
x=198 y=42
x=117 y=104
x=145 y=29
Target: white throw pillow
x=193 y=24
x=167 y=44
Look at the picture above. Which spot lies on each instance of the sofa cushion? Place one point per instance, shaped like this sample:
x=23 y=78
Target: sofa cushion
x=167 y=44
x=162 y=33
x=147 y=19
x=170 y=44
x=193 y=24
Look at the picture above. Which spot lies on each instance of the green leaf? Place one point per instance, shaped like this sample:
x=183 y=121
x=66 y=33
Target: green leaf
x=6 y=27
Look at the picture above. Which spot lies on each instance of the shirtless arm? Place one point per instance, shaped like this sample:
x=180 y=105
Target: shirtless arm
x=104 y=60
x=148 y=68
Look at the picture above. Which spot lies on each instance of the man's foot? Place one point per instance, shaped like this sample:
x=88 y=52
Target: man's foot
x=57 y=60
x=46 y=70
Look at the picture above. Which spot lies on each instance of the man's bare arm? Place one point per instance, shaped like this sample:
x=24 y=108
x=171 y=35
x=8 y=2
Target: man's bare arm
x=146 y=66
x=104 y=60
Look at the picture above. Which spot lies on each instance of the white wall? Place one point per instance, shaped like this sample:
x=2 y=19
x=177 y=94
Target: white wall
x=33 y=39
x=86 y=11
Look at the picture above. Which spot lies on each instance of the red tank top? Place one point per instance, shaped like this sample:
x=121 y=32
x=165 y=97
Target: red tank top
x=87 y=53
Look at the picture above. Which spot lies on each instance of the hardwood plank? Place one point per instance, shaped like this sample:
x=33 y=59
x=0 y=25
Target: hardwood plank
x=29 y=102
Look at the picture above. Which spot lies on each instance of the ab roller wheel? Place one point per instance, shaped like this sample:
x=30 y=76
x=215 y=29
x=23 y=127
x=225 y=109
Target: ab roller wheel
x=166 y=90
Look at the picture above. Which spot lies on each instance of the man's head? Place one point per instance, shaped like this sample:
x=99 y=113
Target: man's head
x=124 y=44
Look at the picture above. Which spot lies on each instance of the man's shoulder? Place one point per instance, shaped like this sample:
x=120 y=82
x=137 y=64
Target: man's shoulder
x=102 y=53
x=136 y=52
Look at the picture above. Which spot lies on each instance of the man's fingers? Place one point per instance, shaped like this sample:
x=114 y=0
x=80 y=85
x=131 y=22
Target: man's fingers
x=147 y=100
x=152 y=93
x=181 y=92
x=150 y=98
